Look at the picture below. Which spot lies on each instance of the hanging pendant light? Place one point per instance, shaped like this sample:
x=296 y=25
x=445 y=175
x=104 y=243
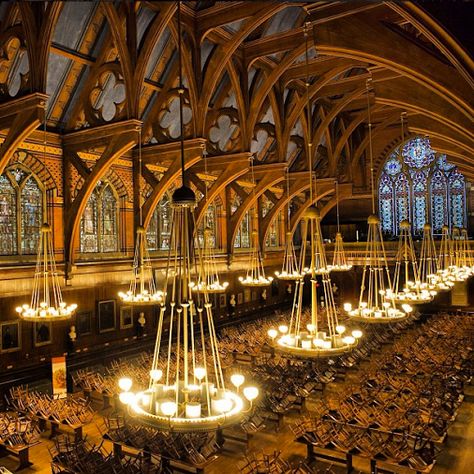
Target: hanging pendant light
x=446 y=259
x=186 y=390
x=255 y=276
x=459 y=269
x=376 y=305
x=309 y=334
x=428 y=270
x=46 y=300
x=290 y=268
x=142 y=289
x=407 y=286
x=339 y=261
x=209 y=280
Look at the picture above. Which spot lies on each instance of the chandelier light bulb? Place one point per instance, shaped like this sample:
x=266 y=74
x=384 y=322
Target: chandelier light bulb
x=200 y=373
x=125 y=384
x=168 y=408
x=283 y=329
x=340 y=329
x=250 y=393
x=237 y=380
x=156 y=374
x=273 y=333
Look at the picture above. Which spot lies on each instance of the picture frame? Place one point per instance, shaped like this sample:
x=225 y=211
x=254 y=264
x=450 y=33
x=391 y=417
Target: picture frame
x=126 y=317
x=240 y=298
x=84 y=323
x=247 y=295
x=106 y=316
x=222 y=301
x=10 y=336
x=43 y=333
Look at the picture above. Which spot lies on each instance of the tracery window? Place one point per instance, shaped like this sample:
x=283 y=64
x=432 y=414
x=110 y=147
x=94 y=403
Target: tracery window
x=22 y=205
x=242 y=239
x=273 y=238
x=419 y=185
x=210 y=220
x=159 y=230
x=99 y=222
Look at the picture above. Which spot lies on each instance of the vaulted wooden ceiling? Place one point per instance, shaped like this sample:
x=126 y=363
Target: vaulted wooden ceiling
x=245 y=75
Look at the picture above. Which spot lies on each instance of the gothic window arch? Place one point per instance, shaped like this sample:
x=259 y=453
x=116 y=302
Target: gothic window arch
x=22 y=211
x=212 y=219
x=242 y=238
x=100 y=221
x=159 y=230
x=419 y=185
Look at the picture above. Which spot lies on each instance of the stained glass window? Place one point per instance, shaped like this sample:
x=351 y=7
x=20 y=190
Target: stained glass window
x=418 y=185
x=21 y=212
x=159 y=229
x=8 y=234
x=243 y=238
x=31 y=215
x=99 y=222
x=210 y=221
x=274 y=231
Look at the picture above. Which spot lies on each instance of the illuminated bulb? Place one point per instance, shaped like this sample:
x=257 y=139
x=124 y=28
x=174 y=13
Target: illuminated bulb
x=156 y=374
x=283 y=329
x=200 y=373
x=407 y=308
x=168 y=408
x=237 y=380
x=310 y=327
x=349 y=340
x=250 y=393
x=125 y=384
x=127 y=398
x=347 y=307
x=340 y=329
x=193 y=410
x=272 y=333
x=223 y=405
x=357 y=333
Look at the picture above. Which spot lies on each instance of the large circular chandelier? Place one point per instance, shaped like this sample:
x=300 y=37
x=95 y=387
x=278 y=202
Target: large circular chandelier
x=208 y=279
x=448 y=272
x=290 y=270
x=428 y=269
x=305 y=336
x=186 y=390
x=255 y=276
x=142 y=288
x=47 y=302
x=376 y=301
x=313 y=335
x=407 y=286
x=46 y=299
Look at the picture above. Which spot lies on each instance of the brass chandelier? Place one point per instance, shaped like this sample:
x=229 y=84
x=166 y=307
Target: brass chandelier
x=186 y=390
x=255 y=276
x=142 y=288
x=311 y=335
x=47 y=302
x=290 y=269
x=376 y=301
x=447 y=270
x=407 y=286
x=209 y=280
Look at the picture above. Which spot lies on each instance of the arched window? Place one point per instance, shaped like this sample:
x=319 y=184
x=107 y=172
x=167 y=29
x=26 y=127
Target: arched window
x=99 y=223
x=210 y=220
x=417 y=185
x=22 y=205
x=159 y=230
x=274 y=231
x=242 y=239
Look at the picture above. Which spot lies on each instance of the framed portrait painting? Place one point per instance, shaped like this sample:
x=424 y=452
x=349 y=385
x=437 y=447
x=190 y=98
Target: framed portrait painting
x=84 y=323
x=106 y=315
x=126 y=317
x=10 y=336
x=43 y=333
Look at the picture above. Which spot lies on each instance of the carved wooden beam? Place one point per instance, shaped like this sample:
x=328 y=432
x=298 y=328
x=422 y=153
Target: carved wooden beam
x=21 y=116
x=114 y=139
x=227 y=176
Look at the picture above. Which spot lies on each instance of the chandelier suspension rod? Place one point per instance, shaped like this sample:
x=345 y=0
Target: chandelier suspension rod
x=288 y=195
x=367 y=84
x=140 y=174
x=308 y=114
x=181 y=93
x=337 y=204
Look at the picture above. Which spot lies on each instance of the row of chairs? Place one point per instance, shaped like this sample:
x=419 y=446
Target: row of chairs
x=18 y=430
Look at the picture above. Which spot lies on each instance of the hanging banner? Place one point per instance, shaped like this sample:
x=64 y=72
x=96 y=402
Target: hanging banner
x=59 y=376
